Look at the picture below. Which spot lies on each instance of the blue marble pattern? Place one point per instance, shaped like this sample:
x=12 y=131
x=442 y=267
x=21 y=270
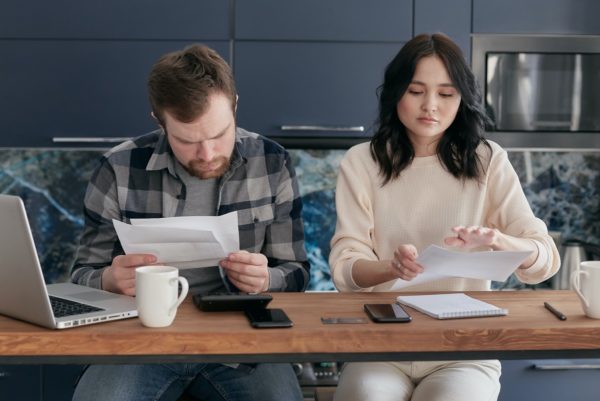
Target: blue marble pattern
x=562 y=188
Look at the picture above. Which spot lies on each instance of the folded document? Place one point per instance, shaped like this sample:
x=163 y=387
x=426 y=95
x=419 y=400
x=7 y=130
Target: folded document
x=439 y=263
x=184 y=242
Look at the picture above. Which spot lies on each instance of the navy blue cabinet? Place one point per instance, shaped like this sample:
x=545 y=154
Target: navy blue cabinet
x=550 y=380
x=310 y=70
x=59 y=381
x=72 y=69
x=536 y=16
x=351 y=20
x=20 y=382
x=450 y=17
x=57 y=89
x=114 y=19
x=309 y=89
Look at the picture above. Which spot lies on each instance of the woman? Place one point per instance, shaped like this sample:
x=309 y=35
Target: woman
x=428 y=177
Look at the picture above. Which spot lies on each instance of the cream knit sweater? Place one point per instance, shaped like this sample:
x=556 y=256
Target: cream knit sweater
x=420 y=207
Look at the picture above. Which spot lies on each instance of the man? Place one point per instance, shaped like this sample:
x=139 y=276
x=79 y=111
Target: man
x=197 y=163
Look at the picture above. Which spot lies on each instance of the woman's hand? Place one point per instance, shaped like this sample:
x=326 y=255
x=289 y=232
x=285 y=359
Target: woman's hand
x=472 y=237
x=403 y=264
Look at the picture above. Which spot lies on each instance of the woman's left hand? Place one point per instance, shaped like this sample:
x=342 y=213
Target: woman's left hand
x=472 y=237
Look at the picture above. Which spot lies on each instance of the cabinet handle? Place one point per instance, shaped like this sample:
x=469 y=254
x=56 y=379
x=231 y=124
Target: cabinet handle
x=356 y=128
x=76 y=139
x=581 y=366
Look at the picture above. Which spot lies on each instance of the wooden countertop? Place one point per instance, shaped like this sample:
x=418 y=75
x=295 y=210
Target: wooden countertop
x=529 y=330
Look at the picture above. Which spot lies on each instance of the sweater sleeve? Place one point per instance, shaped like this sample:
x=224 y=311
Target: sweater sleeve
x=353 y=238
x=508 y=210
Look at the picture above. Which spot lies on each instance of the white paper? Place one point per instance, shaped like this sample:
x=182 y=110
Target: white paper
x=185 y=242
x=439 y=263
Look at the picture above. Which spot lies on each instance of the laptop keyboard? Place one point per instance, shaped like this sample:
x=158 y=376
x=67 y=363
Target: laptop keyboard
x=64 y=307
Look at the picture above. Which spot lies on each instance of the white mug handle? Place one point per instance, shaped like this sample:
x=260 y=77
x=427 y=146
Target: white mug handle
x=576 y=282
x=184 y=290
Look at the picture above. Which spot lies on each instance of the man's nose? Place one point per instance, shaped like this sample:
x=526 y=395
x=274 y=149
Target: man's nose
x=205 y=151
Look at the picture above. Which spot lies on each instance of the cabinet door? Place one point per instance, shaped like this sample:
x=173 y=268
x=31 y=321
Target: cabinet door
x=60 y=381
x=450 y=17
x=329 y=85
x=357 y=20
x=20 y=382
x=72 y=88
x=536 y=16
x=115 y=19
x=550 y=380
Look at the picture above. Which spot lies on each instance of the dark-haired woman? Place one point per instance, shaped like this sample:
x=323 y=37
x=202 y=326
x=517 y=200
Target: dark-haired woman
x=428 y=177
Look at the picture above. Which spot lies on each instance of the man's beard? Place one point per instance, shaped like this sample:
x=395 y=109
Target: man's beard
x=198 y=168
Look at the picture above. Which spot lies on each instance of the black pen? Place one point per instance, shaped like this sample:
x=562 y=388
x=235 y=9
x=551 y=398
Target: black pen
x=555 y=311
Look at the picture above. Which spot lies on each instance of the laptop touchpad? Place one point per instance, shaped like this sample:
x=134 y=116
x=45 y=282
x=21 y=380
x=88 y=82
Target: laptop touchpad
x=92 y=296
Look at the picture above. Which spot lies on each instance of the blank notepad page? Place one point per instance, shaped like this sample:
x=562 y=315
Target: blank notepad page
x=450 y=306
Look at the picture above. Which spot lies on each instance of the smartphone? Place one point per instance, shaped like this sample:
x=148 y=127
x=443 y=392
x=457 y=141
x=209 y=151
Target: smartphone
x=266 y=318
x=387 y=313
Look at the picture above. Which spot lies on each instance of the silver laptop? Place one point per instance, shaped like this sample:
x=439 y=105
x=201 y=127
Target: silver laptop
x=25 y=296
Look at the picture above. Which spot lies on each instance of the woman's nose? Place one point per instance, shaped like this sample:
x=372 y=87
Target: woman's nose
x=429 y=103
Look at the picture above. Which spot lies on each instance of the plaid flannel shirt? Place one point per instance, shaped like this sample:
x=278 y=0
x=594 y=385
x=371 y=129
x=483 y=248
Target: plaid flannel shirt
x=137 y=179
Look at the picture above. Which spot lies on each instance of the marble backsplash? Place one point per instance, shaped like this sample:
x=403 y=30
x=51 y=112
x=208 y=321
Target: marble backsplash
x=563 y=189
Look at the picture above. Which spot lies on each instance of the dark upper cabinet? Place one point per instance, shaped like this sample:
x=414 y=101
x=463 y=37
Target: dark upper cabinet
x=115 y=19
x=450 y=17
x=73 y=69
x=536 y=16
x=77 y=88
x=307 y=72
x=307 y=85
x=344 y=20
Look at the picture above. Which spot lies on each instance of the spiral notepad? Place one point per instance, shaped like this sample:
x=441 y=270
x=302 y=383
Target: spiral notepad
x=451 y=306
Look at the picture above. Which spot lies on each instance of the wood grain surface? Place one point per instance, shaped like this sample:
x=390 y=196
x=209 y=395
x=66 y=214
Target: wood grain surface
x=227 y=336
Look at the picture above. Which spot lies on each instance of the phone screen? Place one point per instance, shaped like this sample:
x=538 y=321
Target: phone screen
x=264 y=318
x=387 y=313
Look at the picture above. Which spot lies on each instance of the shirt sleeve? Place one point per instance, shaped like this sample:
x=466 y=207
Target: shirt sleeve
x=508 y=210
x=353 y=238
x=99 y=243
x=284 y=237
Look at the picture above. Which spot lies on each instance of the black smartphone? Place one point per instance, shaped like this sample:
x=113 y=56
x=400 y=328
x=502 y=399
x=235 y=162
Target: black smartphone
x=230 y=302
x=267 y=318
x=387 y=313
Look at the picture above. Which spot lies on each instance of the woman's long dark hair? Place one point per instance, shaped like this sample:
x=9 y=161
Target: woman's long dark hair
x=391 y=147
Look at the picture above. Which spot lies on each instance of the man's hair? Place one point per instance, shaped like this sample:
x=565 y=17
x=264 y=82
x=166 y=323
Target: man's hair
x=457 y=149
x=181 y=82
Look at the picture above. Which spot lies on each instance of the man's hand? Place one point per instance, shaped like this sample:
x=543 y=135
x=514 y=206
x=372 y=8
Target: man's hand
x=120 y=276
x=247 y=271
x=472 y=237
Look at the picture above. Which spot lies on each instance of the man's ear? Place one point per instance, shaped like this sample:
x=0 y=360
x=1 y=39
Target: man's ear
x=160 y=124
x=237 y=97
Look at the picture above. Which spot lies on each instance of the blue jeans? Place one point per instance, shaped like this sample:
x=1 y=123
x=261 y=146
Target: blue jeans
x=206 y=382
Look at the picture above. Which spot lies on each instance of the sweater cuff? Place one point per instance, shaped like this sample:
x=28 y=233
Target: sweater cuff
x=540 y=263
x=348 y=279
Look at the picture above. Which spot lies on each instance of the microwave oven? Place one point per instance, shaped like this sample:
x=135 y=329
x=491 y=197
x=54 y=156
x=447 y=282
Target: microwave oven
x=540 y=91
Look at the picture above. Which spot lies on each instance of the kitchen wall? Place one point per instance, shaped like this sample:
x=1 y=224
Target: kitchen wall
x=562 y=188
x=78 y=70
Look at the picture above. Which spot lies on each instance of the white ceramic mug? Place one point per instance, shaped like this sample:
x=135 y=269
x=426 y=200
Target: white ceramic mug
x=586 y=283
x=156 y=289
